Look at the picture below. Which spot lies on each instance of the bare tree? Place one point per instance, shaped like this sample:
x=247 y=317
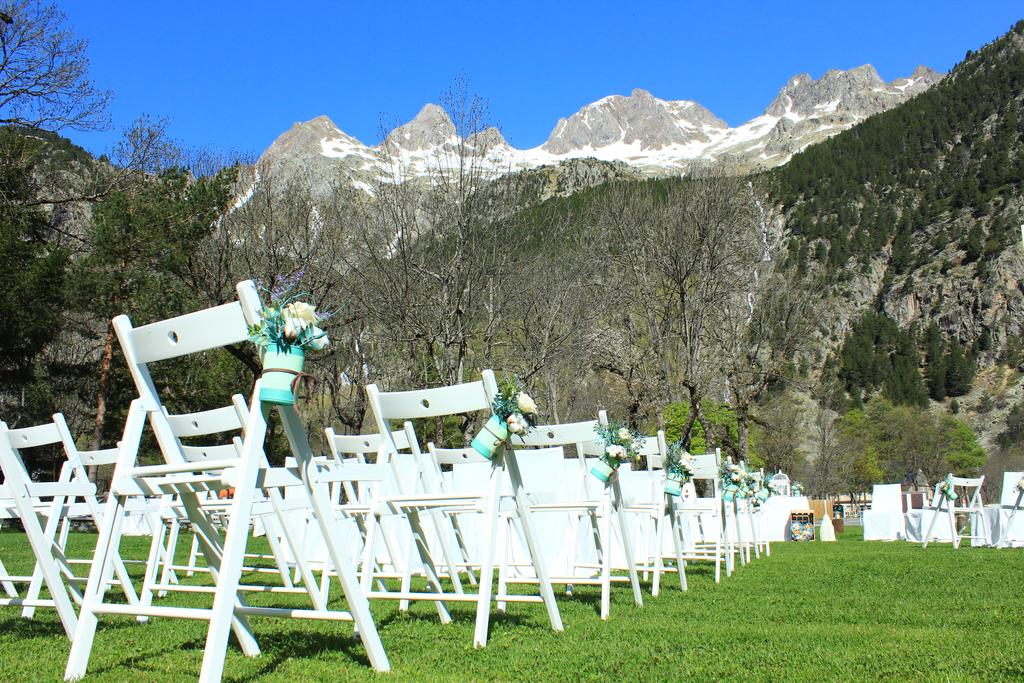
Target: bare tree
x=44 y=79
x=682 y=249
x=435 y=253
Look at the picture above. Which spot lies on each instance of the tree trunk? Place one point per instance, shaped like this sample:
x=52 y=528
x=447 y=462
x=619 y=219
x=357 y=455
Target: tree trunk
x=101 y=397
x=741 y=433
x=690 y=418
x=709 y=434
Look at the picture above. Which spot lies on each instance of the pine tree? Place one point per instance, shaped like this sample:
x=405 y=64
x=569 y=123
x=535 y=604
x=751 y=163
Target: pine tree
x=935 y=374
x=959 y=370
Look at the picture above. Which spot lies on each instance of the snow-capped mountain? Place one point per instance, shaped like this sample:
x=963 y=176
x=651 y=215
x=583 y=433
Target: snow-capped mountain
x=654 y=136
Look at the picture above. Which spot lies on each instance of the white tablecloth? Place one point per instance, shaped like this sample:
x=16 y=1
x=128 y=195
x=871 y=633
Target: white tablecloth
x=775 y=516
x=917 y=525
x=883 y=525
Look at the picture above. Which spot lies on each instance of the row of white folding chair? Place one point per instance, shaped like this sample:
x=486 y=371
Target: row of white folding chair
x=705 y=522
x=425 y=497
x=45 y=522
x=648 y=505
x=269 y=513
x=968 y=505
x=248 y=474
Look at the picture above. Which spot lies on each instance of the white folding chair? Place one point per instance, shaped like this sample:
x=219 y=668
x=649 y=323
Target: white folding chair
x=746 y=518
x=702 y=519
x=426 y=499
x=651 y=504
x=885 y=520
x=758 y=515
x=247 y=474
x=600 y=504
x=269 y=511
x=357 y=490
x=1011 y=502
x=46 y=522
x=973 y=510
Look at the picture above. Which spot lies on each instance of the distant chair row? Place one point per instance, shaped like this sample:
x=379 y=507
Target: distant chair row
x=954 y=512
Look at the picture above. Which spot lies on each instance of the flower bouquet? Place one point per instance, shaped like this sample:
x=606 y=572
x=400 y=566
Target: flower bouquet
x=512 y=412
x=797 y=489
x=734 y=481
x=762 y=492
x=285 y=329
x=621 y=444
x=946 y=488
x=678 y=469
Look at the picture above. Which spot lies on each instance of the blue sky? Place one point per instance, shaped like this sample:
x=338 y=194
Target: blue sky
x=234 y=75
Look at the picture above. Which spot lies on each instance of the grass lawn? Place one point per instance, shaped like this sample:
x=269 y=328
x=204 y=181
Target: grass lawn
x=844 y=611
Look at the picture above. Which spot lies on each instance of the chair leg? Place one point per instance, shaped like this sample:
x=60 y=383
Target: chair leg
x=422 y=547
x=167 y=575
x=547 y=591
x=193 y=556
x=358 y=604
x=606 y=559
x=627 y=544
x=675 y=530
x=152 y=567
x=505 y=556
x=486 y=577
x=109 y=538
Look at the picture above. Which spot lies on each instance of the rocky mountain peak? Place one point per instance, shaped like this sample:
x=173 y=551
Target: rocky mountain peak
x=640 y=119
x=489 y=139
x=855 y=93
x=431 y=128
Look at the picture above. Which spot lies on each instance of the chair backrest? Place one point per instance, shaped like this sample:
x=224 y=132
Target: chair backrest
x=72 y=481
x=887 y=497
x=389 y=407
x=454 y=456
x=190 y=426
x=1010 y=493
x=707 y=465
x=969 y=489
x=184 y=335
x=361 y=445
x=12 y=441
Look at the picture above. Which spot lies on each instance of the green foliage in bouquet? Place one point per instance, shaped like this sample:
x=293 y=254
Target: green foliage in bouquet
x=621 y=444
x=286 y=322
x=515 y=407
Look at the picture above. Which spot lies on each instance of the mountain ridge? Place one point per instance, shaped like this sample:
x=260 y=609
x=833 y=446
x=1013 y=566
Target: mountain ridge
x=656 y=137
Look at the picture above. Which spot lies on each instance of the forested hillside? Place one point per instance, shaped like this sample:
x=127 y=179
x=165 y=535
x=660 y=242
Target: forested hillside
x=914 y=218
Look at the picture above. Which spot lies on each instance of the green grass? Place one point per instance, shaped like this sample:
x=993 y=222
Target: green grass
x=844 y=611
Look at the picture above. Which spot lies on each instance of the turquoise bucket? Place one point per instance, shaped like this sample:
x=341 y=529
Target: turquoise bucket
x=602 y=470
x=491 y=435
x=673 y=487
x=277 y=386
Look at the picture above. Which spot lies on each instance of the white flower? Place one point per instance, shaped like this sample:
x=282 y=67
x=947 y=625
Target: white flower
x=516 y=423
x=293 y=328
x=318 y=339
x=624 y=434
x=616 y=452
x=735 y=476
x=526 y=404
x=300 y=310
